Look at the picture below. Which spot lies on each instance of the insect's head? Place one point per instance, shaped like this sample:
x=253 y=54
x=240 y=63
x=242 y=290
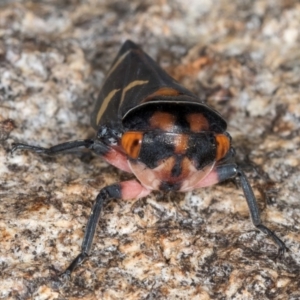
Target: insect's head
x=172 y=146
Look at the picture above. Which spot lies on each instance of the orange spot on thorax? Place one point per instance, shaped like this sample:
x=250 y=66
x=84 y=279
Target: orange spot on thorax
x=197 y=122
x=162 y=120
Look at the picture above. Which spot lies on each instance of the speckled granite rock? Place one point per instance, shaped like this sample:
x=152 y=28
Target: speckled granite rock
x=242 y=57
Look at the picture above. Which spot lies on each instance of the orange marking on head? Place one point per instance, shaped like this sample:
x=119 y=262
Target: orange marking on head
x=181 y=143
x=165 y=171
x=131 y=142
x=166 y=168
x=197 y=122
x=162 y=120
x=185 y=167
x=223 y=145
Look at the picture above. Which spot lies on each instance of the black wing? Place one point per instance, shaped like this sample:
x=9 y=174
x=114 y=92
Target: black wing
x=134 y=80
x=133 y=77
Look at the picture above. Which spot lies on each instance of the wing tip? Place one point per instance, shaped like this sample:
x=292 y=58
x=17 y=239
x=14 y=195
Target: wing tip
x=129 y=45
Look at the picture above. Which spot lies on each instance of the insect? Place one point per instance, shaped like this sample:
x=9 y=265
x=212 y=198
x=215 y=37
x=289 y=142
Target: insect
x=149 y=125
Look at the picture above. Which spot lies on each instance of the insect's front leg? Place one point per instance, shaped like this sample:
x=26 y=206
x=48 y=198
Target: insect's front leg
x=105 y=144
x=106 y=138
x=60 y=148
x=231 y=171
x=124 y=190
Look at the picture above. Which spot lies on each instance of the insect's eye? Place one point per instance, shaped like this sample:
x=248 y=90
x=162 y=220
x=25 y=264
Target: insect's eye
x=131 y=142
x=223 y=145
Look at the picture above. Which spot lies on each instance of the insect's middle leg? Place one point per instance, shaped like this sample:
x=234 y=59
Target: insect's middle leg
x=124 y=190
x=254 y=212
x=231 y=171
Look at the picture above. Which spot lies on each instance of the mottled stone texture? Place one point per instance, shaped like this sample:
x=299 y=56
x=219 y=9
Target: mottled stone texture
x=243 y=57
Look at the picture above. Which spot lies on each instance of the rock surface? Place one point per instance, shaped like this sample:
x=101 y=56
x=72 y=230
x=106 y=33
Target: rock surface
x=242 y=57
